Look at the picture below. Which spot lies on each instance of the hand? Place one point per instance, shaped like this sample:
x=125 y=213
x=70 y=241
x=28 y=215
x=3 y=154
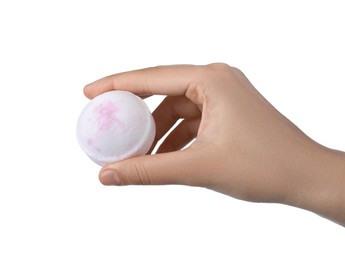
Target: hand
x=243 y=146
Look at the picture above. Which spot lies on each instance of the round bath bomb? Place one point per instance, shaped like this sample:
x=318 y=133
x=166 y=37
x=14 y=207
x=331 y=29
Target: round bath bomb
x=115 y=125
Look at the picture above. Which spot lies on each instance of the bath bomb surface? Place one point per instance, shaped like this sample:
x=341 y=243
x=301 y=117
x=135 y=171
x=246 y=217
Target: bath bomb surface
x=115 y=125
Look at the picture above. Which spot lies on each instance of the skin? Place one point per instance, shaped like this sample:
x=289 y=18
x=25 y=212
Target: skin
x=243 y=147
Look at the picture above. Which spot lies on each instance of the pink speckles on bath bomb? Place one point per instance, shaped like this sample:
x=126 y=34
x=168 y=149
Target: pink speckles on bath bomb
x=105 y=115
x=115 y=125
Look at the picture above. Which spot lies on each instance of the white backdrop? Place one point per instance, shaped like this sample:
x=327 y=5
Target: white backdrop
x=52 y=205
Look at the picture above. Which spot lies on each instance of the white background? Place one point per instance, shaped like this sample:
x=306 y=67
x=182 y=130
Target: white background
x=52 y=205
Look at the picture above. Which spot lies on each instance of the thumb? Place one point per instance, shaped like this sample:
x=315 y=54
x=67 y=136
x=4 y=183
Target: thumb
x=177 y=167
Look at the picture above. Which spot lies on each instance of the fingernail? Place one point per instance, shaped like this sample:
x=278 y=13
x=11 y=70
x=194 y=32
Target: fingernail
x=110 y=177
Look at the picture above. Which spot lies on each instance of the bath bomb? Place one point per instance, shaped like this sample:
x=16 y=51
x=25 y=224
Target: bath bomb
x=114 y=126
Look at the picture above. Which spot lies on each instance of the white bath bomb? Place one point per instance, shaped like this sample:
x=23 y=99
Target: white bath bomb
x=115 y=125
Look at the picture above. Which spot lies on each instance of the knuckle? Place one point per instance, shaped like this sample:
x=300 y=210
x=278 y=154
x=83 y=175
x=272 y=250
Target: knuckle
x=216 y=71
x=215 y=75
x=223 y=68
x=138 y=174
x=170 y=104
x=223 y=76
x=237 y=71
x=219 y=66
x=146 y=84
x=196 y=91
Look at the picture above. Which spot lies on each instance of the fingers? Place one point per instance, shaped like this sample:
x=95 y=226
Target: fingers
x=164 y=80
x=169 y=112
x=183 y=134
x=168 y=168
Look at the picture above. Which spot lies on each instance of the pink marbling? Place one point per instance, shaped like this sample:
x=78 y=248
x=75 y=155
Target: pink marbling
x=105 y=115
x=90 y=141
x=114 y=126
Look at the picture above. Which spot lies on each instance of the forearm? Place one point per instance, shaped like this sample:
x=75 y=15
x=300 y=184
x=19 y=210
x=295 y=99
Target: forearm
x=321 y=185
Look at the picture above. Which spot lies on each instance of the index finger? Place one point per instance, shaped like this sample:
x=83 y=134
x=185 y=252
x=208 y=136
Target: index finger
x=161 y=80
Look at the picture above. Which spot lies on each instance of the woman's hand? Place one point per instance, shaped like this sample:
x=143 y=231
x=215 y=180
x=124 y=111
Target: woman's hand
x=243 y=146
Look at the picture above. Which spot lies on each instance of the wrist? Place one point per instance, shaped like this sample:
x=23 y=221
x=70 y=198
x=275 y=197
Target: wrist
x=319 y=184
